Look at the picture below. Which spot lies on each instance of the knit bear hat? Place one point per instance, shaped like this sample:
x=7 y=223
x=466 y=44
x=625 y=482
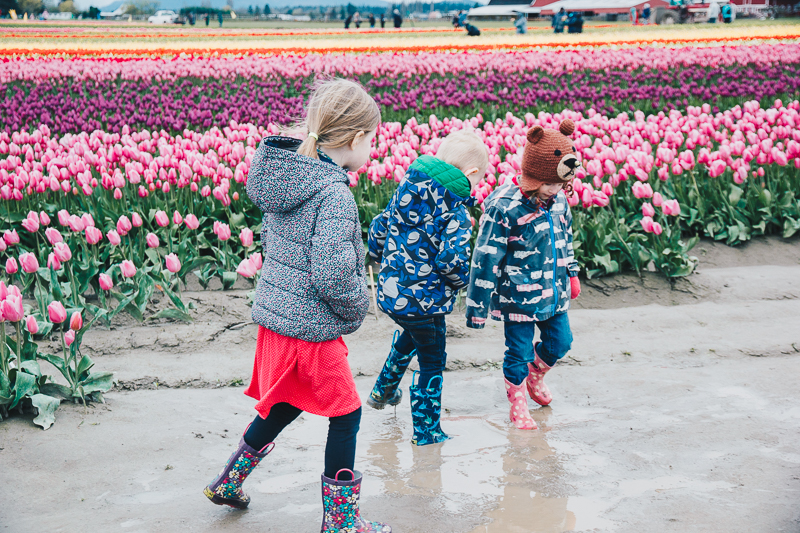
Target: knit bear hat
x=550 y=156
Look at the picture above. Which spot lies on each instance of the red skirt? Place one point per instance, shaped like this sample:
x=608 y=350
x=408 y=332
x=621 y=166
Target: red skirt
x=312 y=376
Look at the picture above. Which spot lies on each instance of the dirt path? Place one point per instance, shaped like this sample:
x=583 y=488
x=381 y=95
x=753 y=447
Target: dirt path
x=677 y=411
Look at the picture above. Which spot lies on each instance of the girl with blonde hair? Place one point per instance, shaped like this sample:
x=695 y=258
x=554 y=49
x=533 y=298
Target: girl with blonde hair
x=311 y=292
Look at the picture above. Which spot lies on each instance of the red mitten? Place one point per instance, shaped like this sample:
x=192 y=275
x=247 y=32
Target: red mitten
x=575 y=286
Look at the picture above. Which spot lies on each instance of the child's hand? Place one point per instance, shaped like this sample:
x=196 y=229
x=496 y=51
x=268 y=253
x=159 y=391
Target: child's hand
x=575 y=286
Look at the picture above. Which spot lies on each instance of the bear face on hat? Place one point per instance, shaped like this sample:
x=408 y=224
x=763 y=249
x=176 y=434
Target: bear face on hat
x=550 y=156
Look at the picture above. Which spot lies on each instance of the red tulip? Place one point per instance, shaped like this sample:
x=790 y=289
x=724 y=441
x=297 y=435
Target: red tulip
x=127 y=268
x=173 y=263
x=62 y=251
x=56 y=312
x=76 y=321
x=29 y=263
x=105 y=282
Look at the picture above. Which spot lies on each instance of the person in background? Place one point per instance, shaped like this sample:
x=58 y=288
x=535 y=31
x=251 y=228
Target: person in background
x=633 y=15
x=383 y=20
x=357 y=19
x=462 y=19
x=728 y=14
x=348 y=21
x=207 y=19
x=397 y=18
x=219 y=18
x=371 y=20
x=559 y=19
x=472 y=31
x=713 y=12
x=646 y=14
x=456 y=19
x=521 y=23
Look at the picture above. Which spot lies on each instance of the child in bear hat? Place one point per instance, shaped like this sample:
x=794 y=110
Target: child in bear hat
x=524 y=271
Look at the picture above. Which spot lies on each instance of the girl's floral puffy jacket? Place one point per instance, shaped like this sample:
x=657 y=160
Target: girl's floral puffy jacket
x=422 y=240
x=522 y=259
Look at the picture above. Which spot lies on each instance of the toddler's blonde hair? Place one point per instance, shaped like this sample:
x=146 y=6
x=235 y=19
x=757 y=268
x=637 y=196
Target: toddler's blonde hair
x=337 y=110
x=464 y=149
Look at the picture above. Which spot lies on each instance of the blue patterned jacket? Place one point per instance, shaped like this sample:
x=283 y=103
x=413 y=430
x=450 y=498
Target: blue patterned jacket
x=422 y=240
x=523 y=257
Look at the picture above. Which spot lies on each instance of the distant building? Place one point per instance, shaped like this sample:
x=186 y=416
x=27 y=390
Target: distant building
x=504 y=8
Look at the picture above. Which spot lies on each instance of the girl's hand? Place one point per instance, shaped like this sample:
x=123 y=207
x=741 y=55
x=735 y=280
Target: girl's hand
x=575 y=286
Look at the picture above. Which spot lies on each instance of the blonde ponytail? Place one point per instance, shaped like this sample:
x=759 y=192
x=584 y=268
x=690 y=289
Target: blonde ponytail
x=337 y=111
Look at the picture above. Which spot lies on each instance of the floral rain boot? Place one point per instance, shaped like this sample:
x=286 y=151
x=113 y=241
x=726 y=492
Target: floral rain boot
x=340 y=507
x=537 y=388
x=519 y=413
x=226 y=489
x=426 y=412
x=386 y=390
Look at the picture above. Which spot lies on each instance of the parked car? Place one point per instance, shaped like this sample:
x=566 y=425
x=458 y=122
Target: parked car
x=163 y=16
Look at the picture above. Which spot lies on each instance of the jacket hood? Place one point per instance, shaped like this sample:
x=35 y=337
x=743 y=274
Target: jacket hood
x=290 y=179
x=428 y=191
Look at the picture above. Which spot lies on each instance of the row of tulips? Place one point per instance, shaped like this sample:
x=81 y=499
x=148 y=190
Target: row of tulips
x=202 y=92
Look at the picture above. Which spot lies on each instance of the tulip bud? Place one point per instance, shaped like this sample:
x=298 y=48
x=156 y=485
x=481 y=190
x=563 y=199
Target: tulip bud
x=69 y=337
x=191 y=221
x=53 y=235
x=177 y=218
x=87 y=220
x=29 y=263
x=124 y=225
x=657 y=229
x=44 y=218
x=53 y=262
x=127 y=268
x=76 y=321
x=162 y=219
x=62 y=251
x=12 y=307
x=223 y=232
x=113 y=237
x=152 y=240
x=63 y=217
x=32 y=325
x=105 y=282
x=56 y=312
x=11 y=266
x=173 y=263
x=93 y=235
x=246 y=236
x=136 y=220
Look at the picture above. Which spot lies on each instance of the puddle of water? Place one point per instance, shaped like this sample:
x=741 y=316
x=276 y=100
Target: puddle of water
x=286 y=482
x=633 y=488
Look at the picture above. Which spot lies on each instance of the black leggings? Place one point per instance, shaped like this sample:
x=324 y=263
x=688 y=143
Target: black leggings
x=340 y=451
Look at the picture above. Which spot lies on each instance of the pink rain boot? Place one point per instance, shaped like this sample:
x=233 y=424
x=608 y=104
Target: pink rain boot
x=519 y=413
x=535 y=381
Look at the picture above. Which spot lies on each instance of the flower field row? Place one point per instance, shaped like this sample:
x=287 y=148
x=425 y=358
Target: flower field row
x=94 y=224
x=73 y=95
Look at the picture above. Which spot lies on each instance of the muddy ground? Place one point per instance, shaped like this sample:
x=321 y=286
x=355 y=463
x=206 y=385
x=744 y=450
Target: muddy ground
x=677 y=410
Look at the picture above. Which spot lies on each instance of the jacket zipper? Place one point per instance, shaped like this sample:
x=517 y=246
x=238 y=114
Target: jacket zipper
x=555 y=260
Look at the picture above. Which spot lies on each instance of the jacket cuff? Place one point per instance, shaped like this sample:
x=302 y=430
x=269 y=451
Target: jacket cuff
x=476 y=322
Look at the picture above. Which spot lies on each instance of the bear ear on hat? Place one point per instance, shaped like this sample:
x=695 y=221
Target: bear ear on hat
x=535 y=134
x=567 y=127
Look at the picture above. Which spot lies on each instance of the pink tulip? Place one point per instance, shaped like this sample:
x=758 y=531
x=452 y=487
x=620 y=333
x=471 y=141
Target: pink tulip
x=32 y=325
x=648 y=210
x=53 y=236
x=56 y=312
x=136 y=220
x=93 y=235
x=642 y=190
x=127 y=268
x=657 y=229
x=11 y=237
x=173 y=263
x=44 y=218
x=671 y=207
x=87 y=220
x=246 y=269
x=76 y=321
x=29 y=263
x=69 y=337
x=205 y=192
x=105 y=282
x=162 y=219
x=3 y=245
x=717 y=168
x=177 y=218
x=113 y=237
x=658 y=199
x=117 y=194
x=3 y=291
x=75 y=223
x=11 y=266
x=191 y=221
x=223 y=232
x=63 y=217
x=647 y=224
x=53 y=262
x=152 y=240
x=124 y=225
x=12 y=308
x=62 y=251
x=246 y=236
x=31 y=224
x=257 y=260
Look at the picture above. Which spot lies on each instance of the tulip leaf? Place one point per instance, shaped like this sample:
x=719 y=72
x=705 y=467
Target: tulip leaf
x=55 y=287
x=735 y=195
x=46 y=407
x=146 y=287
x=97 y=382
x=189 y=266
x=228 y=280
x=83 y=366
x=24 y=385
x=123 y=300
x=5 y=389
x=56 y=390
x=175 y=314
x=174 y=297
x=54 y=360
x=32 y=367
x=236 y=219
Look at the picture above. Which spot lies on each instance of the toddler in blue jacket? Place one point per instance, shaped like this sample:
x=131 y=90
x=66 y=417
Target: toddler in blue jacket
x=524 y=271
x=422 y=243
